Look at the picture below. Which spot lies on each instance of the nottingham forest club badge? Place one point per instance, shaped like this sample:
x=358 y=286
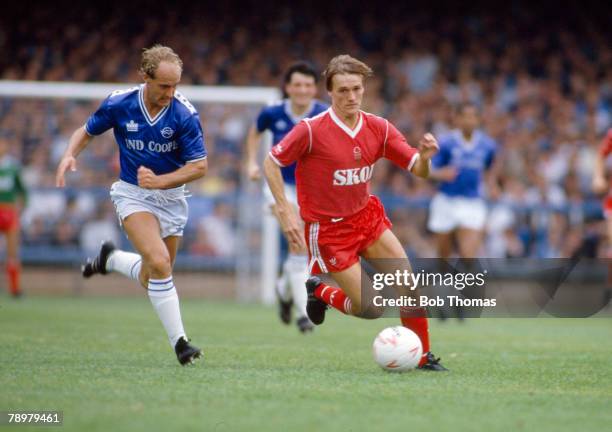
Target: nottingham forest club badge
x=357 y=153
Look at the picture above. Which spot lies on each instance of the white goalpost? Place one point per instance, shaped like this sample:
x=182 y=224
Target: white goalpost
x=249 y=210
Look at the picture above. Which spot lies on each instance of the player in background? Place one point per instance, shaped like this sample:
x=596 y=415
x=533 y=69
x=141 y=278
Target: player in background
x=335 y=154
x=13 y=197
x=300 y=89
x=601 y=186
x=161 y=147
x=458 y=209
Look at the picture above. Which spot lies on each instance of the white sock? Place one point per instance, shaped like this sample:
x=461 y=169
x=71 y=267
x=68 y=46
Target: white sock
x=164 y=299
x=296 y=268
x=282 y=287
x=126 y=263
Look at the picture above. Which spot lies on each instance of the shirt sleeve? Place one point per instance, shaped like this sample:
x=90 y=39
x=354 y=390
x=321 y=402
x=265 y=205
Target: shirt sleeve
x=397 y=149
x=295 y=144
x=191 y=140
x=263 y=121
x=606 y=146
x=101 y=120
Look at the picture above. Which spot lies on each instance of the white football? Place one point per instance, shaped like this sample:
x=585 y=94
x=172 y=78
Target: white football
x=397 y=349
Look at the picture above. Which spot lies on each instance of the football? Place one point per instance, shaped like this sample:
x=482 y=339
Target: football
x=397 y=349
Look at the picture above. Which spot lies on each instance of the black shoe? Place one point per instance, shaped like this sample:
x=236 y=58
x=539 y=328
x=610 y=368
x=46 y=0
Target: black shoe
x=98 y=265
x=315 y=308
x=185 y=352
x=304 y=325
x=433 y=363
x=284 y=308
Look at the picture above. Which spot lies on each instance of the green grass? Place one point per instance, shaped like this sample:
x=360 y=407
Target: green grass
x=107 y=365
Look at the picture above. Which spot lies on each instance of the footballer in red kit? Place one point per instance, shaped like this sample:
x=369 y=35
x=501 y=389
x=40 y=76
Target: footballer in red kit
x=335 y=153
x=335 y=165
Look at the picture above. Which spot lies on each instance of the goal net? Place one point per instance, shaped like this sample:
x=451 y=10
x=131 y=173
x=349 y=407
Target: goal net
x=228 y=229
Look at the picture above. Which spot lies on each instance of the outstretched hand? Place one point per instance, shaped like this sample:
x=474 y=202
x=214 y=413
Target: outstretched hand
x=428 y=146
x=290 y=226
x=253 y=171
x=67 y=162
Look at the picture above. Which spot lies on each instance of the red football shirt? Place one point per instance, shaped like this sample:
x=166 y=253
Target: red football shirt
x=335 y=164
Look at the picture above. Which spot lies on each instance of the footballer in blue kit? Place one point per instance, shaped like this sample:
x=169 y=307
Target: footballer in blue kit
x=300 y=89
x=161 y=148
x=462 y=167
x=163 y=144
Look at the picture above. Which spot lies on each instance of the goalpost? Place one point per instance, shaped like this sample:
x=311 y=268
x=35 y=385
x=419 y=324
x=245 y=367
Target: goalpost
x=249 y=209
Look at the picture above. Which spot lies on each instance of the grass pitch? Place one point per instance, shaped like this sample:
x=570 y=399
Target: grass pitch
x=107 y=365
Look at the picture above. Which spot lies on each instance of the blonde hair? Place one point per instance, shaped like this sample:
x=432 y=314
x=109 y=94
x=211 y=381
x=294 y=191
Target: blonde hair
x=152 y=57
x=345 y=64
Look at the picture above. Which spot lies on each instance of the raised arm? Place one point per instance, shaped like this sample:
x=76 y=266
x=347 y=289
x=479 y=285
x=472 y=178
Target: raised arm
x=284 y=210
x=599 y=175
x=189 y=172
x=193 y=154
x=428 y=148
x=252 y=149
x=78 y=141
x=288 y=151
x=398 y=151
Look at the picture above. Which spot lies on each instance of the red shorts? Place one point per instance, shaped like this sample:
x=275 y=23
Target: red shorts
x=9 y=220
x=335 y=246
x=607 y=206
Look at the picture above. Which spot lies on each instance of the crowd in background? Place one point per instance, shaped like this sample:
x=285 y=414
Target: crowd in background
x=541 y=79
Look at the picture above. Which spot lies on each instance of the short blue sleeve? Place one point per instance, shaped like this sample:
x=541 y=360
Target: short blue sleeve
x=191 y=140
x=101 y=120
x=442 y=158
x=263 y=120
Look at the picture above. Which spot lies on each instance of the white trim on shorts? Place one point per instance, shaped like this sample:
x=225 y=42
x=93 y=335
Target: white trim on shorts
x=315 y=253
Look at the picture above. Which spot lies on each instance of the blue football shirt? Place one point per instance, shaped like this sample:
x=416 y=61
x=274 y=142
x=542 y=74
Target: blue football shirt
x=471 y=159
x=163 y=143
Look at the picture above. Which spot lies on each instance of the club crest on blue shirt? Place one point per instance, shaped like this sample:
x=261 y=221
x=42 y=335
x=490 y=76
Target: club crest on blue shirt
x=281 y=125
x=167 y=132
x=131 y=126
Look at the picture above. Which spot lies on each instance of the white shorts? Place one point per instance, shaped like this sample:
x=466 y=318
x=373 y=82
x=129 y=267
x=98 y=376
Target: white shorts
x=169 y=206
x=447 y=213
x=290 y=193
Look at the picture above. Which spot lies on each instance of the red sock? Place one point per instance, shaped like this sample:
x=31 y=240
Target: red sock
x=13 y=270
x=334 y=297
x=416 y=320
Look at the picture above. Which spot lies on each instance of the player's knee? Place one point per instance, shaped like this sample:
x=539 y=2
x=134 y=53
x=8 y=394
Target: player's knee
x=159 y=263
